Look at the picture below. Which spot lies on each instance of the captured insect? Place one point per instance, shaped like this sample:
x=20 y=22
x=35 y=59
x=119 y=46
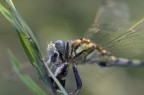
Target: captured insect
x=106 y=43
x=109 y=23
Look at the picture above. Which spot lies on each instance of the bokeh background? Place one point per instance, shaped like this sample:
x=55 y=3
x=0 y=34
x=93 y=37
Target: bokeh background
x=65 y=20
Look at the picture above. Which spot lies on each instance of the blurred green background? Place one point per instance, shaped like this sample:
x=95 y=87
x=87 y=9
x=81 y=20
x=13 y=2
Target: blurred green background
x=65 y=20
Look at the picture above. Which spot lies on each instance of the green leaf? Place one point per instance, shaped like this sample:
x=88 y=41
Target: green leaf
x=26 y=30
x=28 y=50
x=30 y=45
x=26 y=79
x=6 y=14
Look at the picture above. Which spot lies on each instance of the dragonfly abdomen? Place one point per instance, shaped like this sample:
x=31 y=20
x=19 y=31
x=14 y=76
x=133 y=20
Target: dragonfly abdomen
x=127 y=62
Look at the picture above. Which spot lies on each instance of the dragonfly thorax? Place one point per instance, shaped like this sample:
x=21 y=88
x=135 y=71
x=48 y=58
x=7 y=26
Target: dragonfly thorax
x=85 y=42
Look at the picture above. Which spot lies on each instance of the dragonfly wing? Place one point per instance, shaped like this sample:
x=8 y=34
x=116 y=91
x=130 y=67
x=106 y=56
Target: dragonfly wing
x=111 y=23
x=111 y=17
x=128 y=43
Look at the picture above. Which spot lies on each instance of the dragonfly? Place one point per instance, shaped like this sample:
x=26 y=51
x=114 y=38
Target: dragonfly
x=108 y=26
x=103 y=44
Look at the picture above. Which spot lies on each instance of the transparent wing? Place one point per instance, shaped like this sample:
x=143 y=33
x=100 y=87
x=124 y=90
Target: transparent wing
x=125 y=43
x=111 y=33
x=111 y=17
x=128 y=43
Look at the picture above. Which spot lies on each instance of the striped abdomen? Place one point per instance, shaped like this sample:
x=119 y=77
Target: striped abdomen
x=127 y=62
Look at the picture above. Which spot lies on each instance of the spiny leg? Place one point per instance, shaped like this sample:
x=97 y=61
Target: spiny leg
x=78 y=80
x=67 y=50
x=85 y=53
x=60 y=73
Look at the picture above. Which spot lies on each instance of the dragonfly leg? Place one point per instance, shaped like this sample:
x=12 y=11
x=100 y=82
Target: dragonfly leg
x=60 y=74
x=85 y=53
x=78 y=80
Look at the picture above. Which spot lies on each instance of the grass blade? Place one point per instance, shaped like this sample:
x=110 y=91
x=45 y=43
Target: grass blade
x=26 y=79
x=30 y=45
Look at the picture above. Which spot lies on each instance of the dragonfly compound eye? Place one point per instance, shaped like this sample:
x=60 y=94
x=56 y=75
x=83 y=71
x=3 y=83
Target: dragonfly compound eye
x=60 y=46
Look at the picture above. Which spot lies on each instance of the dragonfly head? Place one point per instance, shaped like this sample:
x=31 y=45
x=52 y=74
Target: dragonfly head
x=60 y=46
